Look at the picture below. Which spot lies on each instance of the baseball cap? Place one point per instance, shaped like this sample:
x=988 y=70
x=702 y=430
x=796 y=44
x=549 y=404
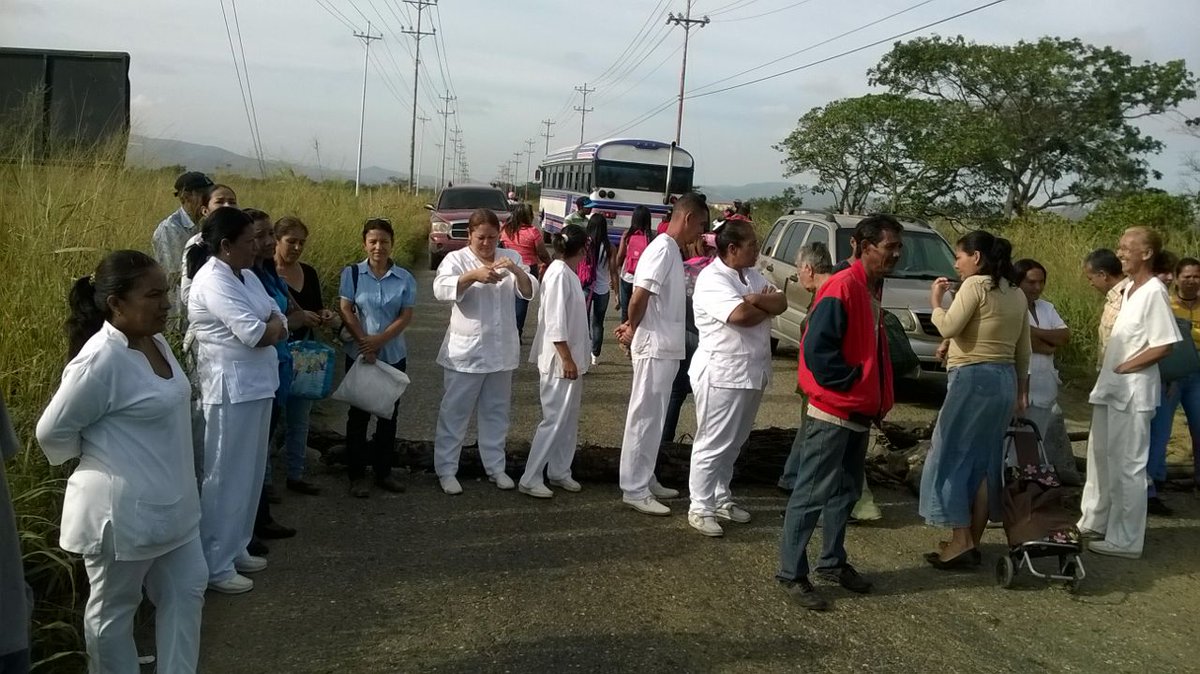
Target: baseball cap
x=587 y=203
x=191 y=181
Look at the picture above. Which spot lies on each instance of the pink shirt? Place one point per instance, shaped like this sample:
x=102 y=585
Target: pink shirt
x=524 y=243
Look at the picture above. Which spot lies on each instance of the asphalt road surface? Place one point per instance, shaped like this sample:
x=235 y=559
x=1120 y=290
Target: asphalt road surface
x=494 y=581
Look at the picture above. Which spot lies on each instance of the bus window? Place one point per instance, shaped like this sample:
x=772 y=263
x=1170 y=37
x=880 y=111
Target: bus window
x=641 y=177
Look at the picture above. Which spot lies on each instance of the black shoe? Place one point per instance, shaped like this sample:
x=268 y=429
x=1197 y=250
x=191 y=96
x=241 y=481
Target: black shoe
x=257 y=547
x=389 y=483
x=1155 y=506
x=803 y=593
x=963 y=561
x=976 y=556
x=273 y=496
x=302 y=487
x=847 y=577
x=274 y=529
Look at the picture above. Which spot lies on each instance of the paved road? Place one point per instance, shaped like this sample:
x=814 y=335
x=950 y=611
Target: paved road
x=498 y=582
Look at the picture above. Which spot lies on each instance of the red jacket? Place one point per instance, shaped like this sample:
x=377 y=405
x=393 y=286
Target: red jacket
x=844 y=368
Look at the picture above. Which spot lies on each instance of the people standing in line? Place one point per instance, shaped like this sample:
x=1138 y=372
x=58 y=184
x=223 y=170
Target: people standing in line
x=480 y=350
x=654 y=332
x=174 y=231
x=633 y=243
x=987 y=385
x=376 y=299
x=1047 y=333
x=583 y=211
x=601 y=256
x=847 y=375
x=561 y=348
x=733 y=305
x=131 y=508
x=236 y=326
x=291 y=235
x=1103 y=272
x=1127 y=392
x=519 y=234
x=1185 y=303
x=696 y=257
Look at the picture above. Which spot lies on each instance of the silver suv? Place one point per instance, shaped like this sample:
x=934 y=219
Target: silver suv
x=926 y=256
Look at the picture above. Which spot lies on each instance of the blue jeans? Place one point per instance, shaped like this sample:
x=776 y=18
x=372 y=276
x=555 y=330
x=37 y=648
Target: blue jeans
x=1187 y=392
x=596 y=316
x=295 y=434
x=522 y=311
x=791 y=467
x=829 y=483
x=624 y=293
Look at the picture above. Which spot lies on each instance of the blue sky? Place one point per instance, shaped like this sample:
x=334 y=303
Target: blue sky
x=513 y=64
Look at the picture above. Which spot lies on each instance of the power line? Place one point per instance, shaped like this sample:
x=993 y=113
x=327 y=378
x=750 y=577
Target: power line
x=337 y=15
x=367 y=38
x=250 y=119
x=584 y=109
x=688 y=23
x=546 y=134
x=731 y=7
x=759 y=16
x=418 y=34
x=655 y=17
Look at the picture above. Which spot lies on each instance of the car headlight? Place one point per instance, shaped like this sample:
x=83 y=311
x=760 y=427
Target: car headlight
x=907 y=320
x=440 y=227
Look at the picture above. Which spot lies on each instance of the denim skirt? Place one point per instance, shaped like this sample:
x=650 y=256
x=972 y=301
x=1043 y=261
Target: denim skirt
x=968 y=443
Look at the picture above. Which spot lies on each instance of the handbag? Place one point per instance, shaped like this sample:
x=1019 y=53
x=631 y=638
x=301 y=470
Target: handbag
x=373 y=387
x=312 y=369
x=1183 y=360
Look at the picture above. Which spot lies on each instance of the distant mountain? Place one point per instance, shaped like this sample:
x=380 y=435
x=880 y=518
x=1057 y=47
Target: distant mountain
x=160 y=152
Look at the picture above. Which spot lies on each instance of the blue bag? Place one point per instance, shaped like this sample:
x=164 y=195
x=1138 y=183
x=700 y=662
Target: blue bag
x=312 y=369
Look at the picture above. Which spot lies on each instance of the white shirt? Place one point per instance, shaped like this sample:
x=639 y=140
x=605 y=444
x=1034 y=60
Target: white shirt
x=185 y=283
x=733 y=356
x=132 y=432
x=1043 y=376
x=602 y=284
x=1144 y=322
x=660 y=271
x=228 y=317
x=482 y=336
x=562 y=317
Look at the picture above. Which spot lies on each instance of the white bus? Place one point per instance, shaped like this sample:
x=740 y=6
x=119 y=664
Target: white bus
x=617 y=174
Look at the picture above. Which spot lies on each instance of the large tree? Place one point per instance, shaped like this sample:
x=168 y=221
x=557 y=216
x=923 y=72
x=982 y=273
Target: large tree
x=885 y=148
x=1051 y=122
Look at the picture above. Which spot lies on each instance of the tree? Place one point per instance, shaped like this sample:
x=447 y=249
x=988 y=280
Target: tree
x=1152 y=208
x=765 y=210
x=887 y=145
x=1051 y=123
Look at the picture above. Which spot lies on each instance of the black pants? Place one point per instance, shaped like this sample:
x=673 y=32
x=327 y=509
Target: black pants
x=378 y=452
x=681 y=387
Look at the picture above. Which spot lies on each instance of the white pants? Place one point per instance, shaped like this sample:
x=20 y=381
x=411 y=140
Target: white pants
x=557 y=435
x=724 y=417
x=489 y=395
x=1114 y=497
x=175 y=584
x=648 y=398
x=235 y=459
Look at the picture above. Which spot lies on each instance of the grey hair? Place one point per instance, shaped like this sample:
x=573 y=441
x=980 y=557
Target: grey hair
x=815 y=255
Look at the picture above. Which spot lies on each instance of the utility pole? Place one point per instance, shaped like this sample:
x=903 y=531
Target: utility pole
x=546 y=134
x=420 y=152
x=362 y=114
x=457 y=142
x=583 y=110
x=418 y=34
x=517 y=169
x=528 y=156
x=445 y=113
x=688 y=23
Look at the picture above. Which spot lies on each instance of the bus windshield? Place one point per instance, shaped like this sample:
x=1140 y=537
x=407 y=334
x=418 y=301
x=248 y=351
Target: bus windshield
x=619 y=175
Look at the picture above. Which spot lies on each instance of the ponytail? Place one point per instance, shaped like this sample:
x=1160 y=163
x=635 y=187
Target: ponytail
x=226 y=223
x=85 y=318
x=1002 y=268
x=569 y=242
x=995 y=255
x=115 y=276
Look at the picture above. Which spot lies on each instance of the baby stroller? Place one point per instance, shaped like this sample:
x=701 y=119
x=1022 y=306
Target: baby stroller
x=1035 y=521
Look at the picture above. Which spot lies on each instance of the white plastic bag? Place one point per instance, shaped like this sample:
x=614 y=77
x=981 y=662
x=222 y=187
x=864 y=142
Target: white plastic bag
x=374 y=387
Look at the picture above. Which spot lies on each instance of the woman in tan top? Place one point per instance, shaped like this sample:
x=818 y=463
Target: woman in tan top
x=988 y=361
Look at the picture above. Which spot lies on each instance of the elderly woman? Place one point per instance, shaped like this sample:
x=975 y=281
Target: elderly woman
x=1124 y=399
x=481 y=348
x=733 y=305
x=131 y=507
x=1047 y=333
x=988 y=363
x=236 y=326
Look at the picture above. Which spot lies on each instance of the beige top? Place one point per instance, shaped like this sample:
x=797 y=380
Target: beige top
x=986 y=325
x=1112 y=306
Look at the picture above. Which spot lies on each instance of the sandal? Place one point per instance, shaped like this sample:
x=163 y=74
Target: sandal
x=960 y=562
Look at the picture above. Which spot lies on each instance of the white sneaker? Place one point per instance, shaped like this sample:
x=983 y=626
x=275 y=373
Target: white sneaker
x=647 y=506
x=250 y=564
x=733 y=513
x=536 y=491
x=450 y=485
x=237 y=584
x=1110 y=550
x=568 y=484
x=595 y=360
x=705 y=524
x=660 y=491
x=502 y=481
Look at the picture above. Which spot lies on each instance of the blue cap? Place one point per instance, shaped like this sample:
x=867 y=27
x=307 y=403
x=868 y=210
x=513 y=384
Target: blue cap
x=588 y=203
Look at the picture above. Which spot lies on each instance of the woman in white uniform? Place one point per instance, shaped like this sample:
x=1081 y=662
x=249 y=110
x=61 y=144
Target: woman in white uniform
x=1123 y=401
x=561 y=350
x=131 y=506
x=481 y=348
x=733 y=305
x=236 y=325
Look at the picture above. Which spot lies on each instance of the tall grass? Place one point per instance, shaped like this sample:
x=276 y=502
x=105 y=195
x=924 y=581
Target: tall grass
x=56 y=222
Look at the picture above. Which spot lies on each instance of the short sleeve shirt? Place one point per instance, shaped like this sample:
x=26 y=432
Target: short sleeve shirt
x=1144 y=322
x=1043 y=377
x=378 y=302
x=661 y=332
x=731 y=356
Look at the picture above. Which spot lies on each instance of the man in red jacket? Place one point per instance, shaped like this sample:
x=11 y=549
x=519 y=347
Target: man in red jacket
x=847 y=375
